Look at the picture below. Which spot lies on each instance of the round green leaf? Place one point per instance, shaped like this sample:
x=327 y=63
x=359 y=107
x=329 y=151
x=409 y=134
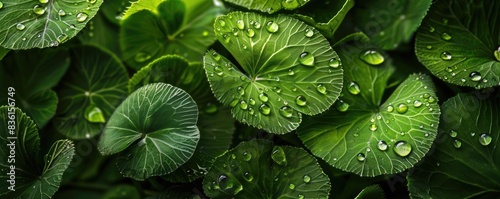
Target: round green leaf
x=458 y=41
x=43 y=23
x=153 y=130
x=466 y=158
x=173 y=27
x=286 y=68
x=257 y=169
x=35 y=176
x=96 y=79
x=364 y=136
x=269 y=6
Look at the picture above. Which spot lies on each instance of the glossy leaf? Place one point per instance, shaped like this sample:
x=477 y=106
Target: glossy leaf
x=390 y=23
x=35 y=176
x=269 y=6
x=458 y=40
x=285 y=69
x=257 y=169
x=173 y=27
x=97 y=78
x=153 y=130
x=369 y=137
x=40 y=24
x=466 y=158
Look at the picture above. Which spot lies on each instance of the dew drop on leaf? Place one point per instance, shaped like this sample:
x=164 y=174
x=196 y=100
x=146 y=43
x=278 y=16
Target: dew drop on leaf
x=382 y=145
x=272 y=27
x=353 y=88
x=361 y=157
x=457 y=144
x=251 y=101
x=241 y=90
x=243 y=105
x=306 y=179
x=248 y=177
x=39 y=10
x=445 y=56
x=218 y=70
x=286 y=111
x=291 y=186
x=496 y=53
x=222 y=22
x=309 y=32
x=432 y=29
x=250 y=33
x=373 y=127
x=402 y=108
x=226 y=38
x=211 y=108
x=234 y=103
x=263 y=97
x=390 y=108
x=402 y=148
x=301 y=100
x=321 y=89
x=142 y=57
x=475 y=76
x=445 y=36
x=240 y=24
x=291 y=72
x=247 y=156
x=20 y=26
x=372 y=57
x=94 y=114
x=62 y=38
x=81 y=17
x=334 y=63
x=251 y=111
x=278 y=156
x=417 y=103
x=44 y=1
x=256 y=25
x=341 y=106
x=264 y=109
x=485 y=139
x=300 y=196
x=1 y=5
x=306 y=59
x=92 y=1
x=453 y=133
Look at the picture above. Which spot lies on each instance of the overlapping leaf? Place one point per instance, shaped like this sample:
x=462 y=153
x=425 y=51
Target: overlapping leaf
x=325 y=15
x=362 y=135
x=459 y=42
x=153 y=130
x=466 y=159
x=43 y=23
x=269 y=6
x=285 y=68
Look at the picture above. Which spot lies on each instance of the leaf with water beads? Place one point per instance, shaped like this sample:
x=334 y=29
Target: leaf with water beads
x=284 y=73
x=466 y=158
x=458 y=42
x=41 y=24
x=269 y=6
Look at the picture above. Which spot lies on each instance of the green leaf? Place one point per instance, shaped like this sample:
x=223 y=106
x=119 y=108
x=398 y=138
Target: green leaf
x=122 y=191
x=35 y=176
x=371 y=192
x=257 y=169
x=3 y=52
x=114 y=10
x=215 y=122
x=365 y=136
x=32 y=74
x=466 y=158
x=153 y=130
x=97 y=78
x=458 y=41
x=43 y=23
x=269 y=6
x=176 y=192
x=390 y=23
x=99 y=32
x=286 y=68
x=319 y=15
x=173 y=27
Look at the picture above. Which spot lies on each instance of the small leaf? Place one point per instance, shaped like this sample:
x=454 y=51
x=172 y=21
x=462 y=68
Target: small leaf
x=97 y=77
x=457 y=42
x=34 y=176
x=40 y=24
x=466 y=158
x=269 y=6
x=371 y=192
x=249 y=171
x=364 y=135
x=153 y=130
x=285 y=71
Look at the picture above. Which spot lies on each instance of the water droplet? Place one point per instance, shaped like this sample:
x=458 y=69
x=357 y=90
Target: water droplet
x=402 y=108
x=278 y=156
x=457 y=144
x=307 y=179
x=390 y=108
x=264 y=109
x=429 y=47
x=142 y=57
x=43 y=1
x=301 y=100
x=320 y=88
x=300 y=196
x=277 y=89
x=306 y=59
x=334 y=63
x=248 y=177
x=234 y=103
x=247 y=156
x=361 y=157
x=222 y=22
x=81 y=17
x=272 y=27
x=39 y=10
x=496 y=53
x=219 y=71
x=243 y=105
x=250 y=33
x=286 y=111
x=204 y=33
x=382 y=145
x=226 y=38
x=445 y=56
x=402 y=148
x=291 y=72
x=453 y=133
x=475 y=76
x=240 y=24
x=251 y=101
x=341 y=106
x=372 y=57
x=87 y=135
x=256 y=25
x=62 y=38
x=309 y=32
x=445 y=36
x=1 y=5
x=353 y=88
x=432 y=29
x=445 y=21
x=485 y=139
x=291 y=186
x=94 y=114
x=263 y=97
x=251 y=111
x=417 y=103
x=211 y=108
x=373 y=127
x=241 y=90
x=20 y=26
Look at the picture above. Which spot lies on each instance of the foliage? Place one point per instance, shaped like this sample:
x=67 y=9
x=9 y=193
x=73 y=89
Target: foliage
x=249 y=99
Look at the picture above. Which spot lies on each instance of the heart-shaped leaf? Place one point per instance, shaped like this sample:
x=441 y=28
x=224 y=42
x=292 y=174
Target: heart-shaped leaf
x=153 y=130
x=466 y=158
x=257 y=169
x=285 y=68
x=389 y=23
x=269 y=6
x=96 y=79
x=43 y=23
x=364 y=135
x=173 y=27
x=25 y=173
x=459 y=42
x=33 y=73
x=215 y=122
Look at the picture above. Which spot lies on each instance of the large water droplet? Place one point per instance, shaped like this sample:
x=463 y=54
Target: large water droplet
x=229 y=185
x=320 y=88
x=43 y=1
x=446 y=56
x=485 y=139
x=306 y=59
x=341 y=106
x=264 y=109
x=446 y=36
x=301 y=100
x=39 y=10
x=243 y=105
x=247 y=156
x=1 y=5
x=360 y=157
x=256 y=25
x=272 y=27
x=496 y=53
x=402 y=148
x=306 y=179
x=278 y=156
x=81 y=17
x=251 y=101
x=372 y=57
x=390 y=108
x=353 y=88
x=309 y=32
x=291 y=186
x=240 y=90
x=453 y=133
x=382 y=145
x=475 y=76
x=240 y=24
x=286 y=111
x=20 y=26
x=417 y=103
x=402 y=108
x=250 y=33
x=142 y=57
x=248 y=177
x=263 y=97
x=222 y=22
x=94 y=114
x=334 y=63
x=457 y=143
